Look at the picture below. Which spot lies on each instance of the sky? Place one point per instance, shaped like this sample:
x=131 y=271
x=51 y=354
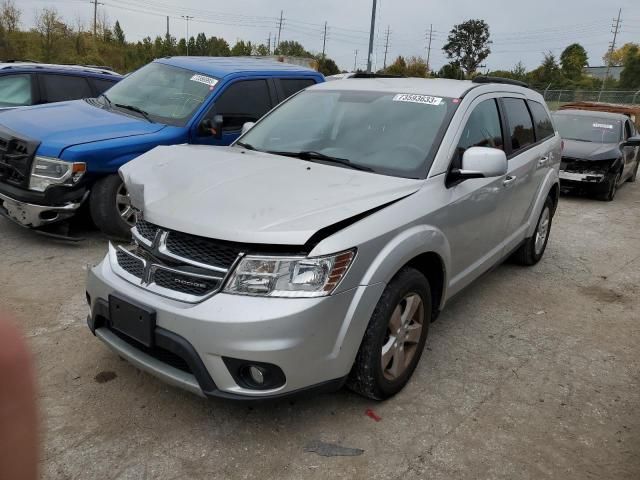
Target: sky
x=520 y=30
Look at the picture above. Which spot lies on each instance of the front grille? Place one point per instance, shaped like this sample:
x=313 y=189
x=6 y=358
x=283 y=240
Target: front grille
x=147 y=230
x=130 y=264
x=209 y=252
x=165 y=356
x=16 y=156
x=585 y=166
x=185 y=283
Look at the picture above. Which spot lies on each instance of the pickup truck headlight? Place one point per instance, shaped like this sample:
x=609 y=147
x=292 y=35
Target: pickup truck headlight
x=289 y=276
x=47 y=171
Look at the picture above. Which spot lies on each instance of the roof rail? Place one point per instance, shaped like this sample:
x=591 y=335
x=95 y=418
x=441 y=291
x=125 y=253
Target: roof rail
x=375 y=75
x=16 y=60
x=506 y=81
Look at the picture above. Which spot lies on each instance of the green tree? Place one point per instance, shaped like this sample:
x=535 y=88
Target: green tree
x=573 y=60
x=202 y=45
x=468 y=45
x=327 y=66
x=218 y=47
x=617 y=56
x=262 y=50
x=451 y=70
x=398 y=67
x=242 y=49
x=548 y=73
x=519 y=72
x=50 y=29
x=291 y=49
x=630 y=76
x=417 y=67
x=118 y=33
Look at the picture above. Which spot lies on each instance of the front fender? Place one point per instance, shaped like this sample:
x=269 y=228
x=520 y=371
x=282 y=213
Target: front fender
x=543 y=192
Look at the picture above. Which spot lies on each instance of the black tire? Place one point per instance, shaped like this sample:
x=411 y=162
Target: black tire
x=367 y=376
x=104 y=208
x=612 y=187
x=528 y=254
x=634 y=175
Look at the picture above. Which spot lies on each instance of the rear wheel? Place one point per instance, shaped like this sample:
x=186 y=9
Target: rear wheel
x=111 y=208
x=532 y=250
x=395 y=337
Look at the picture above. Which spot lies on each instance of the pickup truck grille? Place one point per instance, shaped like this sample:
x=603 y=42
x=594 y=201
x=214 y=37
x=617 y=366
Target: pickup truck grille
x=16 y=156
x=175 y=264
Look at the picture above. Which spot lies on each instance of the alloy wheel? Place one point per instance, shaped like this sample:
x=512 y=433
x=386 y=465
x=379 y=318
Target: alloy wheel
x=543 y=230
x=123 y=203
x=403 y=335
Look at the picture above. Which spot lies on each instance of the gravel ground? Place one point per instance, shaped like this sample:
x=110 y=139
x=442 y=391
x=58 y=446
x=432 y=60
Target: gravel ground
x=531 y=373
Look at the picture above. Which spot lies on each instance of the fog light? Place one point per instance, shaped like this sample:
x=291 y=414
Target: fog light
x=257 y=375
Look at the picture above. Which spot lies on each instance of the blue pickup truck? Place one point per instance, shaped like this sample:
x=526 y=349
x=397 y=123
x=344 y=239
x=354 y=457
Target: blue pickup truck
x=54 y=158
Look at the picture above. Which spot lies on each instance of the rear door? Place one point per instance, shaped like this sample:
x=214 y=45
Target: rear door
x=61 y=87
x=527 y=165
x=240 y=102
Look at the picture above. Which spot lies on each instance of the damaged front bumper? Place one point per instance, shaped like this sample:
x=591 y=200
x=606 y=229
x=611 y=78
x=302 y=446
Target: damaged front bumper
x=586 y=173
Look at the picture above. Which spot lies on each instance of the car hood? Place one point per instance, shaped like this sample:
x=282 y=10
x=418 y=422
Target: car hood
x=590 y=150
x=61 y=125
x=239 y=195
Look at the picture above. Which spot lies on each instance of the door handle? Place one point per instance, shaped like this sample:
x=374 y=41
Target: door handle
x=543 y=161
x=509 y=180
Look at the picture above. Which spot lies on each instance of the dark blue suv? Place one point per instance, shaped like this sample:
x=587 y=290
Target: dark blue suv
x=27 y=83
x=54 y=158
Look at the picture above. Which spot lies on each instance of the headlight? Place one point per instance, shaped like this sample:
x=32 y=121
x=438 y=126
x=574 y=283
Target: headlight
x=289 y=277
x=51 y=171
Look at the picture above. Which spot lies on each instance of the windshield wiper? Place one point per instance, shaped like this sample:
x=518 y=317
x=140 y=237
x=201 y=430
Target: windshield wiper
x=106 y=98
x=248 y=146
x=312 y=155
x=135 y=109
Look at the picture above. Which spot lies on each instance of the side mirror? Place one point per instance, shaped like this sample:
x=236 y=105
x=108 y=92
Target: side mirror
x=482 y=162
x=247 y=126
x=212 y=128
x=631 y=142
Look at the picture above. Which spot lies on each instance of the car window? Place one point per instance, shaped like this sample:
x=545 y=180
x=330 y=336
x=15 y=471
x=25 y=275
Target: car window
x=588 y=128
x=543 y=125
x=15 y=90
x=102 y=85
x=241 y=102
x=291 y=86
x=520 y=124
x=59 y=88
x=483 y=129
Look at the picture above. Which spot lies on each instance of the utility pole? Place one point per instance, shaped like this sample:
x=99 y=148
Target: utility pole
x=429 y=48
x=615 y=31
x=355 y=62
x=280 y=28
x=386 y=47
x=324 y=41
x=167 y=26
x=187 y=18
x=372 y=35
x=269 y=45
x=95 y=15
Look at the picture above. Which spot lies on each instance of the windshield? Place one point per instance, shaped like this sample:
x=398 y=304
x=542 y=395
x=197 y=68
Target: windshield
x=167 y=94
x=389 y=133
x=588 y=129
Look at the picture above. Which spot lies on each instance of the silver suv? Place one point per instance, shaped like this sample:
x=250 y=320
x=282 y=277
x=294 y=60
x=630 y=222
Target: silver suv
x=319 y=247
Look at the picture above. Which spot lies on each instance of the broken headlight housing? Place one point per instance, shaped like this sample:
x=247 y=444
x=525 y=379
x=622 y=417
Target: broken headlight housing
x=289 y=276
x=47 y=171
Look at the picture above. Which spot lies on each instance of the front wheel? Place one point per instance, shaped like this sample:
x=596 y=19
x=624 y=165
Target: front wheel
x=111 y=208
x=532 y=250
x=612 y=189
x=395 y=337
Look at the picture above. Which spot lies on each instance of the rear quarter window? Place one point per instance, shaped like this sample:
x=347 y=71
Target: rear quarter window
x=101 y=85
x=543 y=125
x=291 y=86
x=15 y=90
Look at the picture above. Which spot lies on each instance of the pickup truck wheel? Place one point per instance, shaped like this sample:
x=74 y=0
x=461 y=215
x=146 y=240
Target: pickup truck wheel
x=111 y=208
x=532 y=250
x=395 y=337
x=634 y=175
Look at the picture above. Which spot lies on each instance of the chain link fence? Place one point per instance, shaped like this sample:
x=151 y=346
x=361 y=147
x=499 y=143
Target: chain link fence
x=556 y=98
